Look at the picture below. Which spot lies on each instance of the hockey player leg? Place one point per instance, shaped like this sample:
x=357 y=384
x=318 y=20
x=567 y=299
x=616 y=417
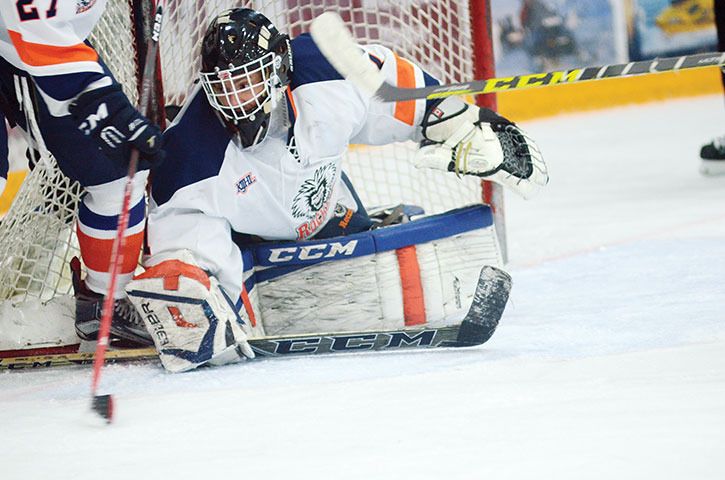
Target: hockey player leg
x=191 y=319
x=469 y=140
x=96 y=228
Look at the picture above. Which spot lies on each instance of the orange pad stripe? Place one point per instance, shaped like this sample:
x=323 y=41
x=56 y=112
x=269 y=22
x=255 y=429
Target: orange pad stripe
x=96 y=252
x=248 y=306
x=291 y=101
x=171 y=270
x=39 y=55
x=413 y=298
x=405 y=111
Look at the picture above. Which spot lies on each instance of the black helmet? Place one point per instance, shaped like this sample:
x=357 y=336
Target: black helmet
x=246 y=63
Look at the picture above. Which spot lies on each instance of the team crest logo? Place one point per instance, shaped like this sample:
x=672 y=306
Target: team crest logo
x=314 y=192
x=312 y=201
x=84 y=5
x=245 y=182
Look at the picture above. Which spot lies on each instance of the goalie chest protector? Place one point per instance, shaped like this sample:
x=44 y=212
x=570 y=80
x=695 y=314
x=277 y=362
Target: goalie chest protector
x=421 y=272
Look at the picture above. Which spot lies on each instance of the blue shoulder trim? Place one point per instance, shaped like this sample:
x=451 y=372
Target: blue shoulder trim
x=310 y=65
x=430 y=81
x=195 y=146
x=68 y=85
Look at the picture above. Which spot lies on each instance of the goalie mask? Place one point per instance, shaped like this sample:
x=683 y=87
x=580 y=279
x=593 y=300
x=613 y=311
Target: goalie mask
x=246 y=64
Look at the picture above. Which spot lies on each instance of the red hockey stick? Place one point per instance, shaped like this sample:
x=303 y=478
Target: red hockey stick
x=103 y=404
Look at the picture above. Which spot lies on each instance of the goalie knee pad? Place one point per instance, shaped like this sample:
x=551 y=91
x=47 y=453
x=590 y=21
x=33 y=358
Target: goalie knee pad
x=189 y=316
x=469 y=140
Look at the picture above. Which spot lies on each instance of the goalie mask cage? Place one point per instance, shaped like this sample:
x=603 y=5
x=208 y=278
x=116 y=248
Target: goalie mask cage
x=449 y=38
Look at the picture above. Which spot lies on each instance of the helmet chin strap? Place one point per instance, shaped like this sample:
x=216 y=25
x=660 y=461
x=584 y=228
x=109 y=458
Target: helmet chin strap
x=243 y=134
x=276 y=96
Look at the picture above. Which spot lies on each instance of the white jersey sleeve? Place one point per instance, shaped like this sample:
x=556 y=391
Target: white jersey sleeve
x=388 y=122
x=327 y=106
x=208 y=238
x=47 y=39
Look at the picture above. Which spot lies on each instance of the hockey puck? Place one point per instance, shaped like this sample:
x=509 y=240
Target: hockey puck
x=103 y=406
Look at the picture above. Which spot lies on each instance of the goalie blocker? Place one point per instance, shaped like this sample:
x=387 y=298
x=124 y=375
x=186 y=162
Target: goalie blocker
x=423 y=273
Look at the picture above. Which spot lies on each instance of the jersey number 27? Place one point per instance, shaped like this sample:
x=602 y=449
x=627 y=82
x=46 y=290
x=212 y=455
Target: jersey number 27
x=28 y=11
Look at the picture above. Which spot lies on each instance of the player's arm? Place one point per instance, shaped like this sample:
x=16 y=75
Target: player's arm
x=191 y=313
x=387 y=122
x=455 y=136
x=49 y=41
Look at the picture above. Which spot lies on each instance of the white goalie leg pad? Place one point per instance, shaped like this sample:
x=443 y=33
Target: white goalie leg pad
x=468 y=140
x=353 y=286
x=191 y=319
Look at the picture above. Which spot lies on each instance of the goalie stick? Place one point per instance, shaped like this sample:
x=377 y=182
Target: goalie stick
x=476 y=328
x=337 y=45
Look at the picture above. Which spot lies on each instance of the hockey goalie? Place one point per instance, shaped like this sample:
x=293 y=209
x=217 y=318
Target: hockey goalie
x=255 y=230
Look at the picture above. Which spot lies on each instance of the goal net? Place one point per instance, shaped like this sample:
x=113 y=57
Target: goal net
x=37 y=236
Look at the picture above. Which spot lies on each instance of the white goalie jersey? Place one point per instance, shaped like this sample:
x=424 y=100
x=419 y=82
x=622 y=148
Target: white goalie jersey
x=286 y=189
x=288 y=186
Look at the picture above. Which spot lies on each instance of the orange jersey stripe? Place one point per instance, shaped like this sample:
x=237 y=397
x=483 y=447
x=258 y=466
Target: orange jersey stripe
x=405 y=111
x=413 y=298
x=39 y=55
x=96 y=252
x=291 y=101
x=248 y=306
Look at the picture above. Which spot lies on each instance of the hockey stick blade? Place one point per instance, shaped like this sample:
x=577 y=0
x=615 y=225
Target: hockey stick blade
x=489 y=301
x=103 y=406
x=337 y=45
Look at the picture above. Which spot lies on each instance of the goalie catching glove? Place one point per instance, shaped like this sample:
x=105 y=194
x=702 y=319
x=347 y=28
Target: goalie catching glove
x=106 y=115
x=469 y=140
x=189 y=316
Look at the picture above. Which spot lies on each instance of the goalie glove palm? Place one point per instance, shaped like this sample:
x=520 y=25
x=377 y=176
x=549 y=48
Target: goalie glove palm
x=468 y=140
x=106 y=115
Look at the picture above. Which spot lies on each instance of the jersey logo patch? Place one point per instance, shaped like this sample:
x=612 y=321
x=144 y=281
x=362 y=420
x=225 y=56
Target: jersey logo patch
x=245 y=182
x=179 y=318
x=292 y=147
x=312 y=200
x=84 y=5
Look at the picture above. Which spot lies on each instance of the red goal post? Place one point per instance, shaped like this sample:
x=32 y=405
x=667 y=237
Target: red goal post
x=449 y=38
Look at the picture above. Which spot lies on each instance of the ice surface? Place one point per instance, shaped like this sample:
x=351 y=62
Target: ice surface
x=609 y=361
x=37 y=324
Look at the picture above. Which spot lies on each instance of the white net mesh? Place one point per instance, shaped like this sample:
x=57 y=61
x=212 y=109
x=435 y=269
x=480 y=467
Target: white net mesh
x=36 y=237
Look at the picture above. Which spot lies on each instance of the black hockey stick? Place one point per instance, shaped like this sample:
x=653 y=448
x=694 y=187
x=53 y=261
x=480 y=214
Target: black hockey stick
x=296 y=345
x=336 y=43
x=103 y=404
x=476 y=328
